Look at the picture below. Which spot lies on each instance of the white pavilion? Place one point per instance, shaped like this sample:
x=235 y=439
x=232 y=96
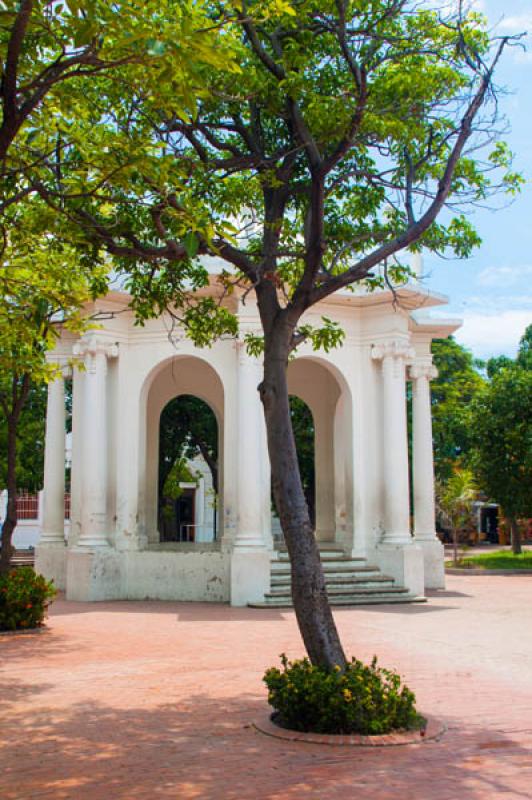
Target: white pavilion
x=124 y=375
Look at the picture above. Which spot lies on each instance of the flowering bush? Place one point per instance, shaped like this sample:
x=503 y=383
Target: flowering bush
x=24 y=598
x=362 y=699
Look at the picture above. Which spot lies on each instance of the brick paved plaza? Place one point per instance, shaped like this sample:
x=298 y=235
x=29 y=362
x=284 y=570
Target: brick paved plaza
x=155 y=700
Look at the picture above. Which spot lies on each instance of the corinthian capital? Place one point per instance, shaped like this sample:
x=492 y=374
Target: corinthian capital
x=91 y=347
x=392 y=348
x=423 y=369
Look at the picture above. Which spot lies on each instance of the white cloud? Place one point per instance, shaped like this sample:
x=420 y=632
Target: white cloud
x=504 y=276
x=516 y=24
x=494 y=334
x=522 y=56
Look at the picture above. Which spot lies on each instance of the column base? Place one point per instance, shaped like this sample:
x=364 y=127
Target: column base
x=404 y=563
x=250 y=576
x=325 y=535
x=94 y=575
x=434 y=562
x=50 y=561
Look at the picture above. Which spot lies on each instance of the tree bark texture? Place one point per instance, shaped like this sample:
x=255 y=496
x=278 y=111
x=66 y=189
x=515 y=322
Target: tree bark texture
x=10 y=521
x=516 y=536
x=309 y=593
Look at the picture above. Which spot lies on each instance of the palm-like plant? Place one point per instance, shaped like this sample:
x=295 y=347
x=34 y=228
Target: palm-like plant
x=455 y=501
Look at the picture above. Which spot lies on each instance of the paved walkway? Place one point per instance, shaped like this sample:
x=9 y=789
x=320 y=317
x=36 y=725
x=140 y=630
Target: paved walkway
x=144 y=700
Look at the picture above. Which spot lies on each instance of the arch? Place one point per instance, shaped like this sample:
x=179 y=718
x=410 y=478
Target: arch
x=323 y=387
x=175 y=376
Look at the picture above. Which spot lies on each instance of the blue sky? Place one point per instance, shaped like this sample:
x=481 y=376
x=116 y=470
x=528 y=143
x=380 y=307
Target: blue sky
x=492 y=291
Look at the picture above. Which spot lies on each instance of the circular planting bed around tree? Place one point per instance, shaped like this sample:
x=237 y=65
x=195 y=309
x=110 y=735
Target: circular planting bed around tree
x=359 y=705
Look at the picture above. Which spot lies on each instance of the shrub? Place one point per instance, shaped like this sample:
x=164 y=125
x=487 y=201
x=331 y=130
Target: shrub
x=362 y=699
x=24 y=598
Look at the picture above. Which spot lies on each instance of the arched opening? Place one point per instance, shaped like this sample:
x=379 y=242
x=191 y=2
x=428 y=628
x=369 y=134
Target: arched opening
x=324 y=393
x=188 y=477
x=177 y=392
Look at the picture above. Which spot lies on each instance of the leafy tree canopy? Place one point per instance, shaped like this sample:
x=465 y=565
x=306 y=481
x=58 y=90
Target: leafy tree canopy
x=30 y=442
x=458 y=382
x=66 y=64
x=502 y=426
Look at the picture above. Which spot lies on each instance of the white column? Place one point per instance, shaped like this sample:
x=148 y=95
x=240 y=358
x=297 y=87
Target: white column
x=421 y=372
x=423 y=463
x=199 y=510
x=250 y=559
x=250 y=474
x=95 y=352
x=393 y=354
x=398 y=555
x=53 y=522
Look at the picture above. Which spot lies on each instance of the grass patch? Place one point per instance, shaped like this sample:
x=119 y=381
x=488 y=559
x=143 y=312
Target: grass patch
x=500 y=559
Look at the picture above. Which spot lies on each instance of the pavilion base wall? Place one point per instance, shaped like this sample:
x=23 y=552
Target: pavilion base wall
x=94 y=575
x=250 y=576
x=404 y=563
x=50 y=561
x=106 y=574
x=198 y=576
x=434 y=564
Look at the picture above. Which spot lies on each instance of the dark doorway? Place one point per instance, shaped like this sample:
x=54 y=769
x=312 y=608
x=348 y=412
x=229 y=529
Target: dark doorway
x=184 y=512
x=188 y=430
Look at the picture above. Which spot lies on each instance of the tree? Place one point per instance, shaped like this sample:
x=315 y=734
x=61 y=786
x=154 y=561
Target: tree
x=502 y=424
x=343 y=142
x=63 y=65
x=52 y=53
x=455 y=499
x=453 y=391
x=44 y=285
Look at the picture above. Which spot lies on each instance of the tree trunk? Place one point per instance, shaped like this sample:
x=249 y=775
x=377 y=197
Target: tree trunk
x=19 y=394
x=309 y=593
x=10 y=521
x=455 y=545
x=516 y=536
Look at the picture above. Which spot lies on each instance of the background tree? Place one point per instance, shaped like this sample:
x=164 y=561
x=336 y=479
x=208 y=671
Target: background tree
x=44 y=284
x=30 y=442
x=458 y=383
x=502 y=424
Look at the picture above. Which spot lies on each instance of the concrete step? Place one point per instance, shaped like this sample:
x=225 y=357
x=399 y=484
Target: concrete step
x=340 y=592
x=332 y=564
x=344 y=568
x=334 y=583
x=325 y=555
x=325 y=552
x=349 y=581
x=352 y=600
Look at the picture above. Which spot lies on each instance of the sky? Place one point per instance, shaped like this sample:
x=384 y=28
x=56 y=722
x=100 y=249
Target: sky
x=492 y=290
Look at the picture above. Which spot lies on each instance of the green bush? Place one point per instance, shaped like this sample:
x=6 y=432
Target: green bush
x=24 y=598
x=362 y=699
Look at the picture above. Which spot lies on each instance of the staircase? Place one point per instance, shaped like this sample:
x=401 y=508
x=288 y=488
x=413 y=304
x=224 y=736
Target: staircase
x=350 y=581
x=22 y=558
